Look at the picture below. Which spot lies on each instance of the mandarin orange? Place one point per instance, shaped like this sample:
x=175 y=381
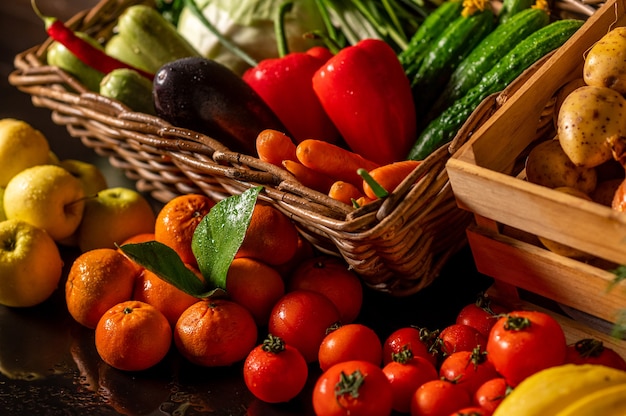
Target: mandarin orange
x=176 y=223
x=97 y=280
x=215 y=332
x=256 y=286
x=271 y=236
x=133 y=336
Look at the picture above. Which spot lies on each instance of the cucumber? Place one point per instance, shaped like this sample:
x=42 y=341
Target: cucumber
x=151 y=41
x=430 y=29
x=130 y=88
x=59 y=56
x=511 y=7
x=488 y=52
x=443 y=56
x=442 y=129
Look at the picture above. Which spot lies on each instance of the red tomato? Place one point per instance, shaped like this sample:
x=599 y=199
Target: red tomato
x=406 y=376
x=350 y=342
x=439 y=398
x=481 y=315
x=355 y=388
x=417 y=340
x=471 y=411
x=593 y=351
x=275 y=372
x=460 y=337
x=491 y=393
x=524 y=342
x=469 y=369
x=301 y=319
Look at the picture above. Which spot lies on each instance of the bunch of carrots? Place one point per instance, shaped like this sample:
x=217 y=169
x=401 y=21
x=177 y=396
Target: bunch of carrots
x=333 y=170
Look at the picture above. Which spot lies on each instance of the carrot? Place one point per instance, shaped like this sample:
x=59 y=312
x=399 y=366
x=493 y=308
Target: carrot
x=344 y=192
x=332 y=160
x=308 y=177
x=273 y=146
x=386 y=178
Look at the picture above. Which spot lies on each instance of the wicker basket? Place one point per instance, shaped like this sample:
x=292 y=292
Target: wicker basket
x=397 y=245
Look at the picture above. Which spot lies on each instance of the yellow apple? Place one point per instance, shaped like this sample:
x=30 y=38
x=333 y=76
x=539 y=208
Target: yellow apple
x=21 y=146
x=53 y=159
x=3 y=216
x=113 y=216
x=30 y=264
x=47 y=196
x=90 y=175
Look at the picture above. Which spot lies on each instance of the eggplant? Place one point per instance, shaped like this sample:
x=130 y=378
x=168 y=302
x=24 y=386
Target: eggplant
x=205 y=96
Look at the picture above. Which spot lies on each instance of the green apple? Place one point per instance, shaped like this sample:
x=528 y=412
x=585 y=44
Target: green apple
x=112 y=216
x=48 y=197
x=30 y=264
x=90 y=175
x=21 y=146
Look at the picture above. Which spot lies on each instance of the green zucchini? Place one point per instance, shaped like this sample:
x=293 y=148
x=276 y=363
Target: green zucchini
x=443 y=56
x=430 y=29
x=489 y=51
x=59 y=56
x=151 y=41
x=442 y=129
x=511 y=7
x=130 y=88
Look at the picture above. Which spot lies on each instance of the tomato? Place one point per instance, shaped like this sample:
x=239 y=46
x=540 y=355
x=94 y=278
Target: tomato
x=275 y=372
x=593 y=351
x=439 y=398
x=301 y=319
x=418 y=340
x=471 y=411
x=460 y=337
x=350 y=342
x=468 y=369
x=355 y=388
x=481 y=315
x=491 y=393
x=406 y=374
x=524 y=342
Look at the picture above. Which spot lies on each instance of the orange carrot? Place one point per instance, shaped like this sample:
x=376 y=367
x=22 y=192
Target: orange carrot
x=389 y=176
x=344 y=192
x=273 y=146
x=332 y=160
x=308 y=177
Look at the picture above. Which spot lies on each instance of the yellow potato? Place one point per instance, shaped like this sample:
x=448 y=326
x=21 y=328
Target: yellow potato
x=605 y=64
x=548 y=165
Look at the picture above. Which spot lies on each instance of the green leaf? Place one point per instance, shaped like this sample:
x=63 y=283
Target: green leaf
x=219 y=235
x=167 y=264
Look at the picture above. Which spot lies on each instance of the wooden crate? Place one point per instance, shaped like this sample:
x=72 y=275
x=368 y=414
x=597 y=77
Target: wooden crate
x=487 y=178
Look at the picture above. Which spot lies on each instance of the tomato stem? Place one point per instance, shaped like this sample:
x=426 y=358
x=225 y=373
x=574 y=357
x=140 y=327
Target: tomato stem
x=516 y=323
x=273 y=344
x=349 y=384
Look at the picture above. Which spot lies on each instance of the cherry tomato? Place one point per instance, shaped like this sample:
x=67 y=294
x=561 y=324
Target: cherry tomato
x=406 y=373
x=468 y=369
x=356 y=388
x=471 y=411
x=593 y=351
x=481 y=315
x=460 y=337
x=439 y=398
x=524 y=342
x=275 y=372
x=350 y=342
x=491 y=393
x=301 y=319
x=418 y=340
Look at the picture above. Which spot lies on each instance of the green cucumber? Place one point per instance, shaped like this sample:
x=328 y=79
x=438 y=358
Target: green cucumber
x=443 y=56
x=511 y=7
x=150 y=39
x=488 y=52
x=442 y=129
x=59 y=56
x=130 y=88
x=430 y=29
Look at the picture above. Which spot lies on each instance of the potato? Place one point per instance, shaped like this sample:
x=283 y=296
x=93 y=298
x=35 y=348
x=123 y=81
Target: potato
x=588 y=117
x=605 y=63
x=562 y=93
x=605 y=191
x=548 y=165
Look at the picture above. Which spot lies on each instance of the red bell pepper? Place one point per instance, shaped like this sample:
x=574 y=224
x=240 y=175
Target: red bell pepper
x=367 y=95
x=285 y=85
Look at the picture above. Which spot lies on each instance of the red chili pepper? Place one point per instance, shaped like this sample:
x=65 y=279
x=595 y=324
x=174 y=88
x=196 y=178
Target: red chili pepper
x=87 y=53
x=285 y=85
x=367 y=95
